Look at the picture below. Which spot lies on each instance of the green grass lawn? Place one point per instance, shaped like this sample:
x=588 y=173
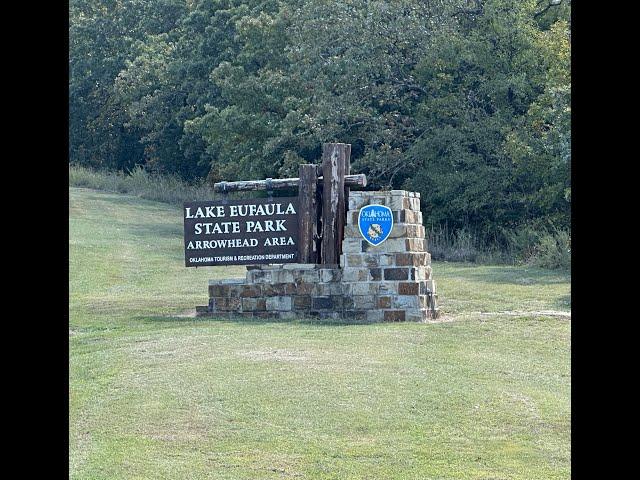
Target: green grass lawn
x=155 y=393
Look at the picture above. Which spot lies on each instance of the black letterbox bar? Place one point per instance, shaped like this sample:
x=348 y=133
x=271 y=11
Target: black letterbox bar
x=359 y=180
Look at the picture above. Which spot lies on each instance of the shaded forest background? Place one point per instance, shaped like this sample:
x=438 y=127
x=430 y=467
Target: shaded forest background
x=466 y=102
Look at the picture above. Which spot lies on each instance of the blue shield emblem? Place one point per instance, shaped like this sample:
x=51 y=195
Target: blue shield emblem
x=375 y=223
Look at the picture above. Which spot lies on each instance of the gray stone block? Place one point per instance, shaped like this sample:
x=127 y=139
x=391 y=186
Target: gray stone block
x=287 y=276
x=227 y=281
x=301 y=302
x=391 y=245
x=333 y=288
x=406 y=302
x=259 y=276
x=355 y=274
x=278 y=303
x=362 y=301
x=355 y=315
x=322 y=303
x=387 y=288
x=330 y=275
x=300 y=266
x=352 y=245
x=308 y=276
x=362 y=288
x=397 y=273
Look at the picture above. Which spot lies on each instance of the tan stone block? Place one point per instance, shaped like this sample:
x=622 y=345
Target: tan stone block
x=301 y=302
x=408 y=288
x=411 y=259
x=416 y=245
x=398 y=230
x=253 y=304
x=219 y=290
x=273 y=289
x=299 y=288
x=253 y=290
x=383 y=302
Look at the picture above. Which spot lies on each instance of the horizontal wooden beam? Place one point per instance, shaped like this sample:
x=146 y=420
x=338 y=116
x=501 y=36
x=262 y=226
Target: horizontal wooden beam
x=359 y=180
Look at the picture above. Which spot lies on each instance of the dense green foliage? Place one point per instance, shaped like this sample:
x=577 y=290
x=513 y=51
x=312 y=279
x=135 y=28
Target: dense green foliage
x=467 y=102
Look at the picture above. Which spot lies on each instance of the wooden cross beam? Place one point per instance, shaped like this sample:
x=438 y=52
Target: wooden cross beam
x=359 y=180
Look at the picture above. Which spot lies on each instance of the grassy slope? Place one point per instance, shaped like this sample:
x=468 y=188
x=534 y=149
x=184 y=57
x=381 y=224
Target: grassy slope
x=155 y=395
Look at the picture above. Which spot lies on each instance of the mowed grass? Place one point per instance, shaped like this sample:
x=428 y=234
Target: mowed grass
x=156 y=394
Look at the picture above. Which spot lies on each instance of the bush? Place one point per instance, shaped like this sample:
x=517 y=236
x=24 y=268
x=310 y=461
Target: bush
x=449 y=246
x=552 y=251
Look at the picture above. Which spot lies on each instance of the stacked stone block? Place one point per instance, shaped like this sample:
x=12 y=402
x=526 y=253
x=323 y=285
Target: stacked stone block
x=389 y=282
x=283 y=291
x=395 y=276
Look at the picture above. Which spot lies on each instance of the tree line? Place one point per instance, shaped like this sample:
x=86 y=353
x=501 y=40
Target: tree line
x=464 y=101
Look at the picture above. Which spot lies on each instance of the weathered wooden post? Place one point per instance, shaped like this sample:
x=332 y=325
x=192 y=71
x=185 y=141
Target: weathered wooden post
x=347 y=171
x=308 y=218
x=335 y=157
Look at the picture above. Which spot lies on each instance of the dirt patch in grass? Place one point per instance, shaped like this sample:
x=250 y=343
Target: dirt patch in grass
x=545 y=313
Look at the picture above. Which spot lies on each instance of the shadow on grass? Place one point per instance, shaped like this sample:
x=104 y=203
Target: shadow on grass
x=176 y=320
x=129 y=199
x=159 y=230
x=514 y=275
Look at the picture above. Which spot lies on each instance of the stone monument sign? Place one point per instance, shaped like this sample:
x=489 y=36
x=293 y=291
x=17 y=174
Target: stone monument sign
x=331 y=252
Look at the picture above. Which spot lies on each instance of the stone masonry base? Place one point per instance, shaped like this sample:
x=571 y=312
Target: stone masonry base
x=389 y=282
